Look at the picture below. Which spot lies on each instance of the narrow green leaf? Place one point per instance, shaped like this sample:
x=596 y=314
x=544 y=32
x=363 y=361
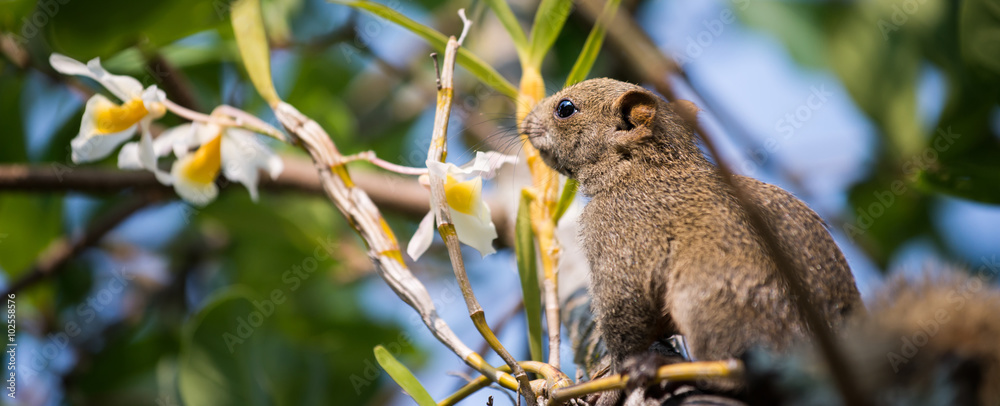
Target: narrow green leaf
x=566 y=199
x=549 y=20
x=248 y=26
x=437 y=40
x=403 y=377
x=528 y=269
x=506 y=17
x=592 y=47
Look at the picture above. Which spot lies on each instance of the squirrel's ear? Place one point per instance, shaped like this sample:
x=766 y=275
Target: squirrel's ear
x=637 y=108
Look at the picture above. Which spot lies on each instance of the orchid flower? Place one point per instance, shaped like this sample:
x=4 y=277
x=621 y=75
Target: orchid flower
x=237 y=153
x=463 y=187
x=106 y=124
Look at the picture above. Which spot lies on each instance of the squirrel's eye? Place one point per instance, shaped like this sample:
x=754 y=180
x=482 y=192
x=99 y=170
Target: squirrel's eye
x=565 y=109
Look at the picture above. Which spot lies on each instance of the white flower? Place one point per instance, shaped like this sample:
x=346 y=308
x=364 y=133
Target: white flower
x=237 y=153
x=463 y=187
x=106 y=125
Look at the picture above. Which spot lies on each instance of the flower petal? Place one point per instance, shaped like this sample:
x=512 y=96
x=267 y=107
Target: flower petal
x=123 y=87
x=178 y=139
x=422 y=238
x=244 y=155
x=148 y=157
x=152 y=99
x=192 y=190
x=68 y=66
x=91 y=145
x=487 y=163
x=464 y=197
x=128 y=156
x=475 y=232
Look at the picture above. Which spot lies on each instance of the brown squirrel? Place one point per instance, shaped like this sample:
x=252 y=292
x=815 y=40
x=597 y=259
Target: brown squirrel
x=670 y=249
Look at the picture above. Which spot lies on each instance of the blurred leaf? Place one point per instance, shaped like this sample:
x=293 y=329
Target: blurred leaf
x=509 y=21
x=220 y=363
x=887 y=213
x=86 y=29
x=979 y=30
x=593 y=46
x=12 y=146
x=28 y=224
x=566 y=198
x=979 y=181
x=13 y=14
x=248 y=26
x=130 y=353
x=403 y=377
x=881 y=76
x=437 y=40
x=528 y=270
x=797 y=24
x=549 y=20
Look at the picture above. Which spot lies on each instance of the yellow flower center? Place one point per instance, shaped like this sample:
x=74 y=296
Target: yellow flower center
x=112 y=118
x=463 y=197
x=204 y=165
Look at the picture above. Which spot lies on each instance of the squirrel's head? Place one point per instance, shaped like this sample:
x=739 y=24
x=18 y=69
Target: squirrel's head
x=598 y=124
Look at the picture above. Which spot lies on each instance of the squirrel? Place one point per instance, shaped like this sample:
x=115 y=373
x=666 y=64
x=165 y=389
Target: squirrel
x=670 y=249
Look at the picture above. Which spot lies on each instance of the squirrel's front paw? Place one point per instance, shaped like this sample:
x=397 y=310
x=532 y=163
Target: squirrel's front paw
x=641 y=369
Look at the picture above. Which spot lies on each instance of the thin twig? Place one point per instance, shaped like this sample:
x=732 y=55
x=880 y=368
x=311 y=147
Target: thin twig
x=369 y=156
x=554 y=379
x=437 y=152
x=53 y=259
x=654 y=67
x=685 y=371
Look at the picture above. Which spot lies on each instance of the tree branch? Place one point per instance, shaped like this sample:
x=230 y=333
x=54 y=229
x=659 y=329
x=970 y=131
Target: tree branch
x=63 y=249
x=391 y=192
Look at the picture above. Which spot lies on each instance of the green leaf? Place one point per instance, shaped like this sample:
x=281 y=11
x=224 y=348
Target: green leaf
x=506 y=17
x=566 y=199
x=437 y=40
x=592 y=47
x=549 y=20
x=527 y=268
x=248 y=26
x=403 y=377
